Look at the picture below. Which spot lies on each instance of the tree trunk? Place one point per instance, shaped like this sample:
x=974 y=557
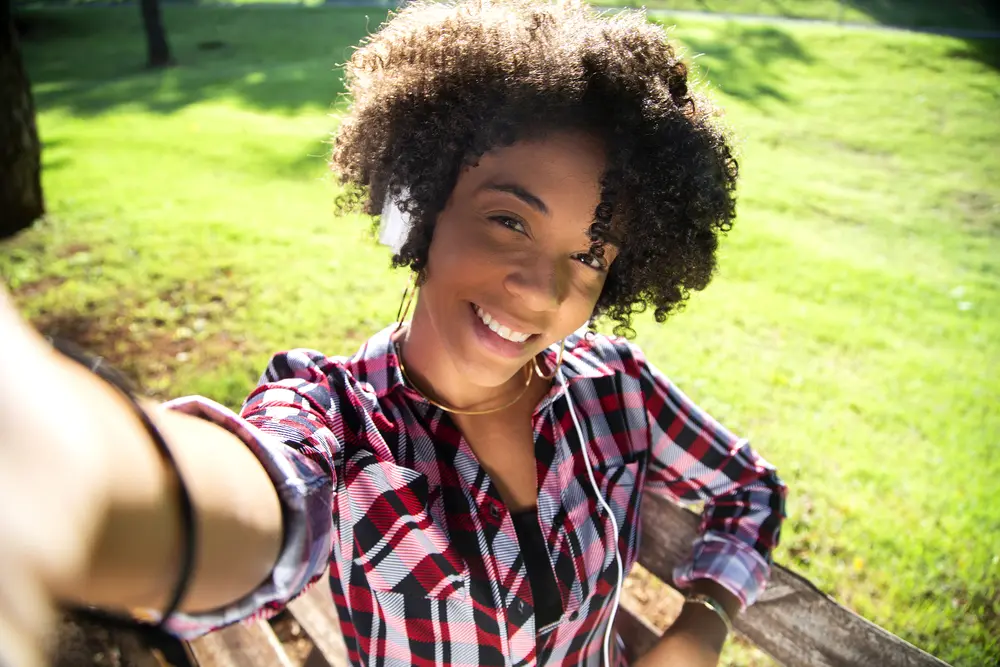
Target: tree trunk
x=156 y=36
x=21 y=201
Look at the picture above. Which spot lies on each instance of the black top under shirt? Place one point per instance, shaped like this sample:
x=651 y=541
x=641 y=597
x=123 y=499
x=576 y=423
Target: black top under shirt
x=545 y=591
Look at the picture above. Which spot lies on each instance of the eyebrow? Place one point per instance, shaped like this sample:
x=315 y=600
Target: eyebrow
x=521 y=193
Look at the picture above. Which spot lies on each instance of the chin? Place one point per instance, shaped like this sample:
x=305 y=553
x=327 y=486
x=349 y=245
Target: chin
x=491 y=372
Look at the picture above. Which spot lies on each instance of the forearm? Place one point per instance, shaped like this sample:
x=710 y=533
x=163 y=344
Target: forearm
x=698 y=634
x=137 y=548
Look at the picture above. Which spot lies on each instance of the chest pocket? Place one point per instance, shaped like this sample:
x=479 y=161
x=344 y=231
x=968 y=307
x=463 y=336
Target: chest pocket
x=400 y=537
x=618 y=486
x=622 y=491
x=590 y=526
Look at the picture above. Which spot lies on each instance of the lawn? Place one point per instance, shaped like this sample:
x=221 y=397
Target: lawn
x=852 y=332
x=962 y=14
x=977 y=15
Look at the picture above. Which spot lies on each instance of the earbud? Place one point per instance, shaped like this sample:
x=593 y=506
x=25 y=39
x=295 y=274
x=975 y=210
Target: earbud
x=394 y=226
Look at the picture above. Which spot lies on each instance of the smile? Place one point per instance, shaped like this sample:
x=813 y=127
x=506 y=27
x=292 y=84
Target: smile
x=499 y=329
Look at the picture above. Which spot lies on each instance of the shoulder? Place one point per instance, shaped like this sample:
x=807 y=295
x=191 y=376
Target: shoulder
x=303 y=364
x=599 y=354
x=358 y=381
x=327 y=380
x=307 y=365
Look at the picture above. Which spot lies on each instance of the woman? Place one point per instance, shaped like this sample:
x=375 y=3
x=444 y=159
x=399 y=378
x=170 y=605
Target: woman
x=472 y=476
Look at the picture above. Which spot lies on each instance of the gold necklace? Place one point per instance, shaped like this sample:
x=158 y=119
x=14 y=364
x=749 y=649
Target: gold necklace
x=456 y=411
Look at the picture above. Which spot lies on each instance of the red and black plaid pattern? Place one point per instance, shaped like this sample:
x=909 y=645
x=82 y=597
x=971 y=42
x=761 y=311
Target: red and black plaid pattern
x=424 y=561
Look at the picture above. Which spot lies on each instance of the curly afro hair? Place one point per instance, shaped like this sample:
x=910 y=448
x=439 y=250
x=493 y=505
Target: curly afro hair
x=440 y=84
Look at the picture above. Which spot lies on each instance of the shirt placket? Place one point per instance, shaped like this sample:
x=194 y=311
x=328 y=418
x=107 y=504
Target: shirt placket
x=498 y=556
x=513 y=601
x=515 y=608
x=558 y=477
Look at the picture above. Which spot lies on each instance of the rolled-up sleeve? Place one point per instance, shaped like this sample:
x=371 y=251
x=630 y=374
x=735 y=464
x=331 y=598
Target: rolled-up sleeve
x=286 y=423
x=696 y=459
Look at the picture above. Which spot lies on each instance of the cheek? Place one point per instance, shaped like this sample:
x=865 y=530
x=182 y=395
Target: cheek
x=445 y=250
x=451 y=267
x=461 y=250
x=579 y=308
x=588 y=287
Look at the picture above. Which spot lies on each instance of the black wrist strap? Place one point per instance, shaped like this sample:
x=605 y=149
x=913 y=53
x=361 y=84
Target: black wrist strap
x=114 y=378
x=188 y=527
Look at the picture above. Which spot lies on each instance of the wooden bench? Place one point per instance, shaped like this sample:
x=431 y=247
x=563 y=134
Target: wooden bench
x=794 y=622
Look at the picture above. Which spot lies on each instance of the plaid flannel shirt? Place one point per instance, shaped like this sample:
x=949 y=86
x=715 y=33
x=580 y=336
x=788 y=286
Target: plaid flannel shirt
x=379 y=485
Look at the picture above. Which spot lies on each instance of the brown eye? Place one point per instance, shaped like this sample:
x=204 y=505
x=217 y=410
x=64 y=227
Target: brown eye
x=593 y=261
x=510 y=223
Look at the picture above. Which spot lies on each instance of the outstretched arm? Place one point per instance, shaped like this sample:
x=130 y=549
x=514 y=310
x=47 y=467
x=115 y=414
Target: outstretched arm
x=90 y=510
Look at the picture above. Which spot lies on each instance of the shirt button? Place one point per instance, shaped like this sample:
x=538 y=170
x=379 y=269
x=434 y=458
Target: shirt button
x=494 y=512
x=575 y=615
x=520 y=606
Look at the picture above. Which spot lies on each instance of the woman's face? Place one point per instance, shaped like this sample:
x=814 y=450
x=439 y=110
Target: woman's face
x=511 y=252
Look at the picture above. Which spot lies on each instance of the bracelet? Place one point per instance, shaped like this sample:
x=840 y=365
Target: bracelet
x=713 y=604
x=120 y=383
x=187 y=514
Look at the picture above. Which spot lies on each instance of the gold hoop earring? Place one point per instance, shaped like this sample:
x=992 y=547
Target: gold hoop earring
x=404 y=304
x=538 y=370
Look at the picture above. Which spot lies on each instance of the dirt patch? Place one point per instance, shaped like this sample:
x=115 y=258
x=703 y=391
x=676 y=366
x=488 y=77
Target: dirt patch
x=656 y=601
x=661 y=604
x=149 y=341
x=82 y=645
x=293 y=638
x=980 y=212
x=29 y=290
x=72 y=249
x=81 y=641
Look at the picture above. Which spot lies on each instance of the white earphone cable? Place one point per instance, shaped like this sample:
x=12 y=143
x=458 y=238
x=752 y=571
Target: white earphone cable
x=607 y=509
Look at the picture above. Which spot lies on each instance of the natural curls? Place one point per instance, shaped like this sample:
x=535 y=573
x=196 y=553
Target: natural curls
x=440 y=84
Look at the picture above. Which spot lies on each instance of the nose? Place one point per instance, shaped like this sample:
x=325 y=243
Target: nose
x=541 y=284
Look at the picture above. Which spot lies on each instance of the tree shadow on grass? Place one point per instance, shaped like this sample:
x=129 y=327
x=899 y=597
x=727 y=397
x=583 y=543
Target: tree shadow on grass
x=963 y=15
x=89 y=62
x=747 y=61
x=311 y=161
x=286 y=88
x=983 y=51
x=960 y=14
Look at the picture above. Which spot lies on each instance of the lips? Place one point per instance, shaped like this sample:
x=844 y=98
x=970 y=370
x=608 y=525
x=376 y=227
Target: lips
x=496 y=337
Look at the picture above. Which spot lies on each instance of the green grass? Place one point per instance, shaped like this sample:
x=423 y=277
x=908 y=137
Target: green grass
x=964 y=14
x=852 y=331
x=961 y=14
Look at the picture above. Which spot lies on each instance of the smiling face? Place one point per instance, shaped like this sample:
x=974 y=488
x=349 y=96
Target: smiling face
x=510 y=269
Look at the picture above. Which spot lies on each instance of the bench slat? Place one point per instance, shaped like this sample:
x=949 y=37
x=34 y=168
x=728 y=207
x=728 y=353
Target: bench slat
x=251 y=644
x=794 y=622
x=316 y=614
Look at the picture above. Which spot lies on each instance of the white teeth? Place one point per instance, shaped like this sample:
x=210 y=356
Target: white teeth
x=500 y=330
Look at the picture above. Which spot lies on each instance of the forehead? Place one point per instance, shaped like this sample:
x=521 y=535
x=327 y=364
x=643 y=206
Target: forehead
x=563 y=170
